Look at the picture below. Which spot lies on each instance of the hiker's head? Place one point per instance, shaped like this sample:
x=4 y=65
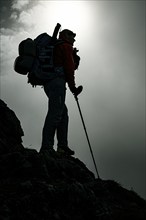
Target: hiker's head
x=67 y=35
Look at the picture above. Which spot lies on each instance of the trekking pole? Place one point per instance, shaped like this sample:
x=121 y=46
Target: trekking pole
x=76 y=98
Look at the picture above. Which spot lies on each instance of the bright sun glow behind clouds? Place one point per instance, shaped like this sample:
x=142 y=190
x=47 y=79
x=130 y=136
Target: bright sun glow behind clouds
x=74 y=15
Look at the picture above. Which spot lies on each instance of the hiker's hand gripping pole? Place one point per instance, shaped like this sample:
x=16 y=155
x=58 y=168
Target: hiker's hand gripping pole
x=76 y=98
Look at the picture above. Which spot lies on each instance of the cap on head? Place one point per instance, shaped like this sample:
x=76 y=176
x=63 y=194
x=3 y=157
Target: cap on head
x=65 y=33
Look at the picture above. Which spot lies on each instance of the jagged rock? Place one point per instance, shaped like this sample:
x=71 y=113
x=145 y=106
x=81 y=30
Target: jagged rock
x=40 y=186
x=10 y=130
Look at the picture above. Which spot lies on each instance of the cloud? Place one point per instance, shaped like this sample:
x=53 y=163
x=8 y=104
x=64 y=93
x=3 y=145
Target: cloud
x=7 y=32
x=16 y=26
x=26 y=19
x=17 y=15
x=14 y=16
x=9 y=50
x=19 y=5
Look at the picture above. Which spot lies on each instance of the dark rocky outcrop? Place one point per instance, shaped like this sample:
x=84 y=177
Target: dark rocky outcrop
x=10 y=130
x=35 y=186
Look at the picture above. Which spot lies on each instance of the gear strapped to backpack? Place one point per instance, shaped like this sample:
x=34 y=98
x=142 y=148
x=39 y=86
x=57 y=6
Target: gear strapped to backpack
x=36 y=58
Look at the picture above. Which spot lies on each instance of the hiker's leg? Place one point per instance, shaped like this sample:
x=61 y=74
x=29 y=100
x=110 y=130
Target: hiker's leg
x=55 y=91
x=62 y=134
x=48 y=131
x=62 y=129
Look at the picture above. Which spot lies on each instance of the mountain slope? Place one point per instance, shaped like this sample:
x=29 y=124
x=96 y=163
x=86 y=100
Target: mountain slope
x=40 y=186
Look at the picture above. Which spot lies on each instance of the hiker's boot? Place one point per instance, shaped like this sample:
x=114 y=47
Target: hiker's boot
x=48 y=150
x=65 y=151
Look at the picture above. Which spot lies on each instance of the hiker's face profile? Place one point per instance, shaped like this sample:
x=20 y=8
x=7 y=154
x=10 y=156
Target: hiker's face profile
x=67 y=35
x=70 y=38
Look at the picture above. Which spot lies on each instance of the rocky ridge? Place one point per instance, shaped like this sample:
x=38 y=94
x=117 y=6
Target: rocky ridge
x=40 y=186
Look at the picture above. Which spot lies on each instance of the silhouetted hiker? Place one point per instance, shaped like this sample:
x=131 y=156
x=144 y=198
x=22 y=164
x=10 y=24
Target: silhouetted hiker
x=56 y=121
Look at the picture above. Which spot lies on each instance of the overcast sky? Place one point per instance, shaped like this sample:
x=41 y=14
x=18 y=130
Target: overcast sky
x=111 y=41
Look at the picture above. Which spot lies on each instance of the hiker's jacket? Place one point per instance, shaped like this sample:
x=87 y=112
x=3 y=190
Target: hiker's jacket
x=63 y=57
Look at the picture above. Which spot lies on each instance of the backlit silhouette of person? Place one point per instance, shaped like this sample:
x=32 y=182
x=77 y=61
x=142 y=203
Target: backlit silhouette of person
x=65 y=61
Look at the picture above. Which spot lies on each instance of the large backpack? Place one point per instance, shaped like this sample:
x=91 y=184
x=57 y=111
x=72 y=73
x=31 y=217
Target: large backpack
x=36 y=58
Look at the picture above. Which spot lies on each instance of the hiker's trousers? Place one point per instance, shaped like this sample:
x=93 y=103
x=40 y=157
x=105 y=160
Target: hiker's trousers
x=56 y=121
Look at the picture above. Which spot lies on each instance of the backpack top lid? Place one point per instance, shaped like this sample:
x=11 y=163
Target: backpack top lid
x=43 y=40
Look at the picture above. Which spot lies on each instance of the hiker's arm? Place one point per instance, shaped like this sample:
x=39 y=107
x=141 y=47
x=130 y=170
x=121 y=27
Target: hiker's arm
x=69 y=66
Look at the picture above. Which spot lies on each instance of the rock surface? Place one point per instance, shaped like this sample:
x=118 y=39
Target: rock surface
x=10 y=130
x=40 y=186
